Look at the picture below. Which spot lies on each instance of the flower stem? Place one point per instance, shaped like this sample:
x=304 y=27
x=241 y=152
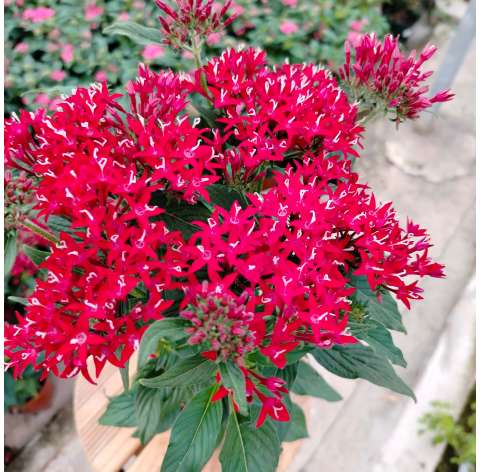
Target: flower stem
x=40 y=231
x=124 y=374
x=197 y=53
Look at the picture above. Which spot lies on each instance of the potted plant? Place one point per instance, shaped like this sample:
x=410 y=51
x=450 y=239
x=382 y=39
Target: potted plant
x=27 y=394
x=212 y=221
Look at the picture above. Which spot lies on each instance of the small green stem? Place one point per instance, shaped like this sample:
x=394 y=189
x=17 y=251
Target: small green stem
x=39 y=230
x=196 y=52
x=124 y=374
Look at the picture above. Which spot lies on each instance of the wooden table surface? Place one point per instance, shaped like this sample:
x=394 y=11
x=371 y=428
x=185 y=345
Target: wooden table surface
x=110 y=449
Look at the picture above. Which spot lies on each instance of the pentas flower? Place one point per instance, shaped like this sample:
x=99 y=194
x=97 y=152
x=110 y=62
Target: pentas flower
x=293 y=249
x=259 y=274
x=268 y=114
x=268 y=391
x=381 y=73
x=87 y=163
x=192 y=17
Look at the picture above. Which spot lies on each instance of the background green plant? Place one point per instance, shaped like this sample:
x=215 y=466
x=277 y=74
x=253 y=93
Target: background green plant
x=323 y=26
x=18 y=392
x=459 y=435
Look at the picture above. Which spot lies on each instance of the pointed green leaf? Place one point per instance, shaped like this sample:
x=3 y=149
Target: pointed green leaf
x=359 y=361
x=194 y=434
x=190 y=371
x=233 y=378
x=148 y=408
x=297 y=424
x=37 y=256
x=137 y=33
x=224 y=196
x=120 y=411
x=249 y=449
x=169 y=328
x=59 y=224
x=386 y=312
x=310 y=382
x=20 y=300
x=379 y=338
x=10 y=252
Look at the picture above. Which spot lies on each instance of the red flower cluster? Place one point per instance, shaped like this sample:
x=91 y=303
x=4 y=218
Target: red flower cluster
x=268 y=275
x=192 y=17
x=382 y=72
x=268 y=113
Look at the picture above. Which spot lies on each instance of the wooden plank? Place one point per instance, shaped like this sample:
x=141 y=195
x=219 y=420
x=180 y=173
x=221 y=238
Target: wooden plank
x=107 y=448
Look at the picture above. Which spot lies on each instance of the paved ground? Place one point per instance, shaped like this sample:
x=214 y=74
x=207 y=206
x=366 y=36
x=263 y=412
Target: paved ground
x=430 y=177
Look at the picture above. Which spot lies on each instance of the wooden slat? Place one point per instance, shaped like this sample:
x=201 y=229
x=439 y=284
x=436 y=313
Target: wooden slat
x=109 y=449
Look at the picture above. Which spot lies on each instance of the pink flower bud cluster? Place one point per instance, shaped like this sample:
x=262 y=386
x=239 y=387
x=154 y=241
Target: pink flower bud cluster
x=19 y=198
x=192 y=17
x=221 y=322
x=381 y=72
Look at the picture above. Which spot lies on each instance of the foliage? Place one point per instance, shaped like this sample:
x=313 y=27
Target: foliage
x=20 y=391
x=72 y=48
x=444 y=428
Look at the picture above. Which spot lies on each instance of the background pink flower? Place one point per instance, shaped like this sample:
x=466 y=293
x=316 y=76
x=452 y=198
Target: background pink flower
x=289 y=3
x=22 y=48
x=37 y=15
x=58 y=75
x=92 y=11
x=41 y=99
x=100 y=76
x=124 y=16
x=152 y=51
x=67 y=53
x=213 y=38
x=288 y=27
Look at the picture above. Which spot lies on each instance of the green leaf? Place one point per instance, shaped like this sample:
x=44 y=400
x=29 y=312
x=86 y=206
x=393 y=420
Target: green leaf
x=168 y=328
x=124 y=375
x=224 y=196
x=310 y=382
x=386 y=312
x=297 y=354
x=10 y=252
x=297 y=424
x=176 y=223
x=190 y=371
x=21 y=300
x=288 y=373
x=233 y=378
x=359 y=361
x=137 y=33
x=59 y=224
x=37 y=256
x=379 y=338
x=148 y=409
x=249 y=449
x=120 y=411
x=194 y=434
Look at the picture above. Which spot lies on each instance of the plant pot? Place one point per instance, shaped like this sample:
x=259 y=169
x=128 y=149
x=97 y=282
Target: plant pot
x=40 y=402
